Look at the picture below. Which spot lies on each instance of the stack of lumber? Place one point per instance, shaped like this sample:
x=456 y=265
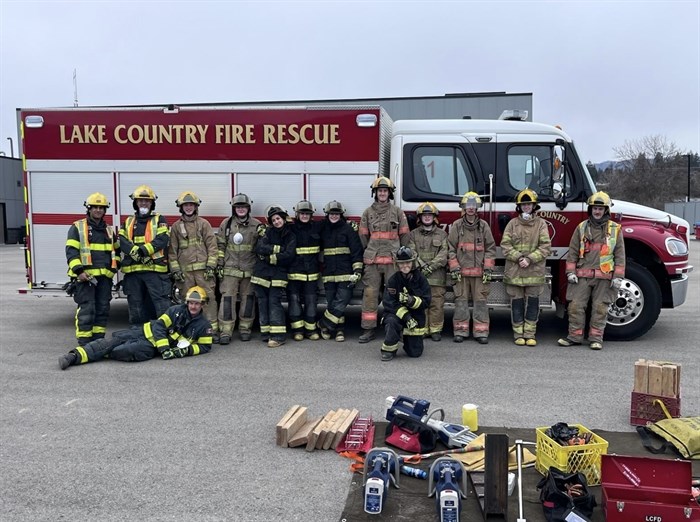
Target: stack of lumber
x=657 y=378
x=297 y=428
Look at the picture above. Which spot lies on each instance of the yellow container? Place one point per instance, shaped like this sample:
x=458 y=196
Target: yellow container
x=571 y=459
x=470 y=416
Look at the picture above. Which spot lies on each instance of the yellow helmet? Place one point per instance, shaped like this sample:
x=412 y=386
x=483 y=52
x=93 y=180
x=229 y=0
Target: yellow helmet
x=470 y=197
x=600 y=199
x=527 y=196
x=382 y=182
x=188 y=197
x=143 y=192
x=96 y=199
x=196 y=294
x=427 y=208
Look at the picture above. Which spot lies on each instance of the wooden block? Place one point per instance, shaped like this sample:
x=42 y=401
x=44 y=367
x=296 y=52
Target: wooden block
x=344 y=427
x=293 y=424
x=641 y=376
x=678 y=380
x=283 y=421
x=668 y=378
x=326 y=428
x=655 y=379
x=301 y=437
x=330 y=436
x=313 y=438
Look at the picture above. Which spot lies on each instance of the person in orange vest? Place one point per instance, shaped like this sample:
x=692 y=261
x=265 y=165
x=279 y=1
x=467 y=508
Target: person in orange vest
x=92 y=252
x=143 y=240
x=595 y=268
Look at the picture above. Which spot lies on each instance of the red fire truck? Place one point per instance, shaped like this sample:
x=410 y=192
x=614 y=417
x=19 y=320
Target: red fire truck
x=281 y=155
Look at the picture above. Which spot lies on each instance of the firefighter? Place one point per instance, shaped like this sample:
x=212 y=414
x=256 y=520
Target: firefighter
x=383 y=229
x=144 y=239
x=472 y=254
x=342 y=268
x=276 y=250
x=237 y=238
x=302 y=290
x=429 y=242
x=92 y=252
x=595 y=268
x=526 y=245
x=183 y=330
x=192 y=253
x=406 y=298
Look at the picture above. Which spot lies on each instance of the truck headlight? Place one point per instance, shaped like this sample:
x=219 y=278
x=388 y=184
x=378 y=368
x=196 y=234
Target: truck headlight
x=676 y=247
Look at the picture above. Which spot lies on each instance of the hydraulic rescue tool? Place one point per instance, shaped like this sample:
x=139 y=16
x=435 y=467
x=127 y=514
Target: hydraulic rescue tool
x=381 y=468
x=452 y=435
x=447 y=480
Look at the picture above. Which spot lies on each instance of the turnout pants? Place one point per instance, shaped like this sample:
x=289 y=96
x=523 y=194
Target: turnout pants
x=147 y=294
x=273 y=324
x=601 y=295
x=524 y=309
x=373 y=279
x=303 y=299
x=436 y=311
x=471 y=288
x=196 y=278
x=395 y=330
x=338 y=296
x=231 y=289
x=125 y=345
x=93 y=309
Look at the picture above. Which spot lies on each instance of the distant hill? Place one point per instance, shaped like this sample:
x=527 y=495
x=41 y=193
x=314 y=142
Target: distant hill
x=604 y=165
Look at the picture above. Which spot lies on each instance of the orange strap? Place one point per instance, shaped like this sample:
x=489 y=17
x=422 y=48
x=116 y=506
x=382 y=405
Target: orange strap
x=359 y=464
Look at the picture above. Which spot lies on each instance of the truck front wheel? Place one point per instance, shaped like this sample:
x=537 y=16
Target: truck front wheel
x=636 y=307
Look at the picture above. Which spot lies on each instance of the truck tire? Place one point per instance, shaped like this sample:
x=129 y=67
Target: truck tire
x=637 y=306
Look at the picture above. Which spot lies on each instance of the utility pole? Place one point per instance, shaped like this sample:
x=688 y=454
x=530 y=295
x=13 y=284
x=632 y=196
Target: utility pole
x=688 y=200
x=75 y=87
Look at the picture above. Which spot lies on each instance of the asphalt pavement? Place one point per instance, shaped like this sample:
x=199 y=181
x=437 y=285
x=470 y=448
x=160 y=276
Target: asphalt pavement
x=194 y=438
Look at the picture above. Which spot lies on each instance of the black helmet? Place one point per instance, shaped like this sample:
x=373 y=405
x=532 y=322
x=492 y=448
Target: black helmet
x=276 y=209
x=405 y=254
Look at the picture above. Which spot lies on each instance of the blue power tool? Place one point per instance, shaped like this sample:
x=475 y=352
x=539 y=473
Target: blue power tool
x=448 y=482
x=381 y=469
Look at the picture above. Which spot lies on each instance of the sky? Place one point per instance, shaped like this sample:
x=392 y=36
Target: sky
x=606 y=71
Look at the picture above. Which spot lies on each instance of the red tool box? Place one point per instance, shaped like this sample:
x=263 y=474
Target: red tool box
x=645 y=489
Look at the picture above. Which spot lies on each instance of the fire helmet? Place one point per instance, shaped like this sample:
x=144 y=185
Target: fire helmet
x=334 y=206
x=405 y=254
x=276 y=209
x=599 y=199
x=241 y=200
x=304 y=206
x=383 y=182
x=143 y=192
x=96 y=199
x=196 y=294
x=187 y=197
x=427 y=208
x=470 y=199
x=527 y=196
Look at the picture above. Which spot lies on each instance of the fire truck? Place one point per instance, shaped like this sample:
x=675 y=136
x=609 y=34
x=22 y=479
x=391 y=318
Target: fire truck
x=283 y=154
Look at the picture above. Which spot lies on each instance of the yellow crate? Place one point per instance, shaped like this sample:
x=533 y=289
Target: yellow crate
x=571 y=459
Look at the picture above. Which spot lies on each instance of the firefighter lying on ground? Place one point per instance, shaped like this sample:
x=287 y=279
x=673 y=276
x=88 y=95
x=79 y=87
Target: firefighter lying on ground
x=342 y=268
x=144 y=239
x=406 y=298
x=472 y=254
x=595 y=268
x=526 y=245
x=92 y=252
x=181 y=331
x=383 y=229
x=429 y=242
x=237 y=238
x=304 y=273
x=192 y=253
x=276 y=250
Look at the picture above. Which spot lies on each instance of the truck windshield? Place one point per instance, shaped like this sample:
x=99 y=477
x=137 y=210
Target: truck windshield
x=442 y=170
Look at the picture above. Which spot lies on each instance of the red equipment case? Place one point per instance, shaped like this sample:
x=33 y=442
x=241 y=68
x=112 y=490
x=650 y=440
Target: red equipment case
x=647 y=489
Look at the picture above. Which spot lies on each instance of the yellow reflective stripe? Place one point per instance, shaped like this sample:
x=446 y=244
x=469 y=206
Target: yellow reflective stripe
x=273 y=259
x=73 y=263
x=166 y=320
x=297 y=324
x=265 y=328
x=336 y=251
x=195 y=347
x=358 y=266
x=144 y=268
x=103 y=247
x=309 y=326
x=278 y=329
x=195 y=266
x=187 y=243
x=237 y=273
x=336 y=278
x=237 y=248
x=82 y=353
x=276 y=249
x=73 y=243
x=415 y=331
x=260 y=281
x=417 y=303
x=304 y=277
x=401 y=312
x=308 y=250
x=279 y=283
x=148 y=333
x=390 y=347
x=98 y=329
x=107 y=272
x=161 y=343
x=333 y=319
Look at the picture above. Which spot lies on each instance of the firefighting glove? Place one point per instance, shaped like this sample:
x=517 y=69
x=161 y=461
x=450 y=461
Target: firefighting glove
x=411 y=323
x=220 y=271
x=261 y=230
x=426 y=269
x=456 y=276
x=406 y=298
x=486 y=278
x=572 y=278
x=209 y=273
x=135 y=254
x=178 y=276
x=354 y=226
x=167 y=354
x=616 y=283
x=355 y=278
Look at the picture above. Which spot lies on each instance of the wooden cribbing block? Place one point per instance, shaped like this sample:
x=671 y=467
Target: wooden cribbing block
x=291 y=411
x=326 y=428
x=295 y=422
x=344 y=427
x=316 y=433
x=301 y=437
x=330 y=436
x=641 y=376
x=655 y=379
x=668 y=380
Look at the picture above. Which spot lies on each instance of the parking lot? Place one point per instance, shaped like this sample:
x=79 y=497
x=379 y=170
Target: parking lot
x=194 y=439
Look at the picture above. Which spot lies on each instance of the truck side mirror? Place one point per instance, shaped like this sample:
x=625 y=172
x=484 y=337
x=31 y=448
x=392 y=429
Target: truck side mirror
x=557 y=163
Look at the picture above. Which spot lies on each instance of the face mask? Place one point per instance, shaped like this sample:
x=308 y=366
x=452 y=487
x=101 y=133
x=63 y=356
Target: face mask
x=143 y=211
x=526 y=216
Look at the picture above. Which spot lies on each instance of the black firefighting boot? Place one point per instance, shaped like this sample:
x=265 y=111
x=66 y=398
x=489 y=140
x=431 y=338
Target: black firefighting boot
x=67 y=359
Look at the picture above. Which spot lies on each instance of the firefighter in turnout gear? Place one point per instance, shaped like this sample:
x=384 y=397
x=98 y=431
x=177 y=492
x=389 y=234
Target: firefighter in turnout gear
x=406 y=298
x=429 y=242
x=472 y=255
x=595 y=268
x=342 y=268
x=237 y=238
x=276 y=251
x=302 y=290
x=383 y=229
x=92 y=252
x=192 y=253
x=143 y=239
x=526 y=245
x=181 y=331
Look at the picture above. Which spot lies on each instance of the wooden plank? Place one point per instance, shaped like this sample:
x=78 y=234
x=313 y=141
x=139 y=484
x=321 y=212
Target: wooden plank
x=283 y=421
x=301 y=437
x=678 y=380
x=668 y=378
x=641 y=376
x=330 y=436
x=344 y=427
x=293 y=424
x=326 y=428
x=313 y=438
x=655 y=379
